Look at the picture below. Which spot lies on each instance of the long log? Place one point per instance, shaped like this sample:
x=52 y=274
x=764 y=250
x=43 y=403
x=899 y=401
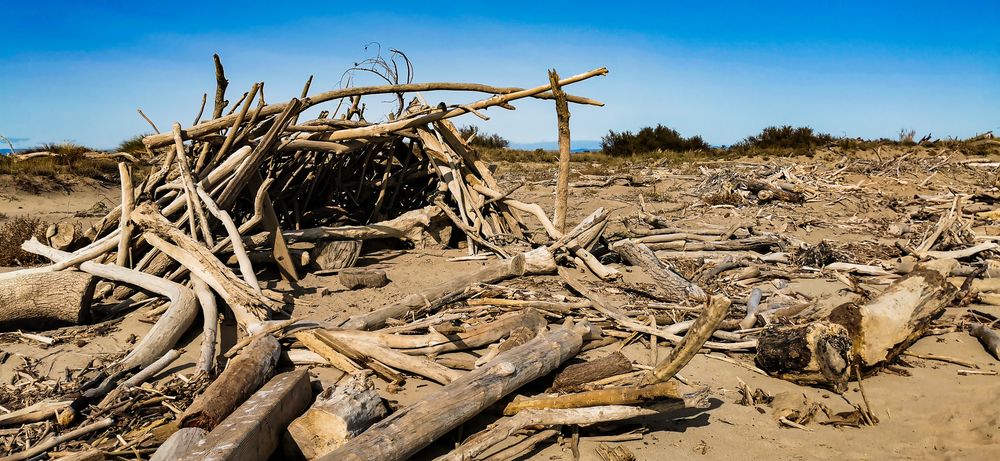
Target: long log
x=668 y=282
x=252 y=431
x=885 y=326
x=492 y=273
x=339 y=413
x=573 y=376
x=242 y=377
x=629 y=395
x=414 y=427
x=817 y=353
x=45 y=301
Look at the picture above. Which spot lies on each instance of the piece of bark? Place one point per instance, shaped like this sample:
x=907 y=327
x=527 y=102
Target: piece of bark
x=252 y=431
x=179 y=444
x=412 y=428
x=885 y=326
x=668 y=282
x=571 y=377
x=242 y=377
x=353 y=279
x=987 y=337
x=817 y=353
x=339 y=413
x=45 y=301
x=629 y=395
x=335 y=254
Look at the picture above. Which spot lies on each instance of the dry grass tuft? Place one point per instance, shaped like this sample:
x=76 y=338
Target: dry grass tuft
x=13 y=233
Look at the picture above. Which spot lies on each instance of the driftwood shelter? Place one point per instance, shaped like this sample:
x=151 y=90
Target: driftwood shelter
x=256 y=184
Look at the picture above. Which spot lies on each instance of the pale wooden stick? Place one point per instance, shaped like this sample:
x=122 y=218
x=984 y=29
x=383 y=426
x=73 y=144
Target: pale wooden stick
x=562 y=182
x=125 y=225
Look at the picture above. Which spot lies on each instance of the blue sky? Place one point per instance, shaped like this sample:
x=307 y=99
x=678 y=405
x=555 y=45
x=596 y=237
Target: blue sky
x=724 y=70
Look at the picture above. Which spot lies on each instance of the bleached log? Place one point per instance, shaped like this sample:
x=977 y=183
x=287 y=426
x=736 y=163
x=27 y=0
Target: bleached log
x=39 y=411
x=412 y=428
x=167 y=330
x=668 y=282
x=179 y=444
x=339 y=413
x=885 y=326
x=409 y=363
x=45 y=301
x=987 y=337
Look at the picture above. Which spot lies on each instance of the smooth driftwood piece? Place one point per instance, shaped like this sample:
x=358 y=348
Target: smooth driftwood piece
x=885 y=326
x=412 y=428
x=179 y=444
x=242 y=377
x=817 y=353
x=339 y=413
x=571 y=377
x=252 y=431
x=668 y=282
x=699 y=333
x=353 y=279
x=629 y=395
x=450 y=290
x=33 y=413
x=335 y=254
x=45 y=301
x=987 y=337
x=410 y=226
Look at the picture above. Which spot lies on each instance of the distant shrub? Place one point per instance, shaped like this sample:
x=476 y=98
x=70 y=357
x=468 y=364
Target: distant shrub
x=785 y=137
x=133 y=145
x=481 y=139
x=906 y=137
x=13 y=233
x=649 y=139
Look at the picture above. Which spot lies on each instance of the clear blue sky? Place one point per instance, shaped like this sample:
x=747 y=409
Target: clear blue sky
x=70 y=72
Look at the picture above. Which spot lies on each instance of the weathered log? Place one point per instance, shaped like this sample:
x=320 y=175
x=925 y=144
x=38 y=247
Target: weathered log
x=570 y=378
x=700 y=331
x=353 y=279
x=885 y=326
x=242 y=377
x=39 y=411
x=61 y=235
x=451 y=289
x=412 y=428
x=562 y=183
x=339 y=413
x=817 y=353
x=668 y=282
x=179 y=444
x=45 y=301
x=416 y=365
x=629 y=395
x=987 y=337
x=410 y=226
x=252 y=431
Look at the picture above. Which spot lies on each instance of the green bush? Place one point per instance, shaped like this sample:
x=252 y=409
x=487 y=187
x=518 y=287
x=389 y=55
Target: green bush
x=133 y=145
x=785 y=137
x=481 y=139
x=649 y=139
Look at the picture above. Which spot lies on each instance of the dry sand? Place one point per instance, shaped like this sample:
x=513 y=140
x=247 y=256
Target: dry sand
x=932 y=414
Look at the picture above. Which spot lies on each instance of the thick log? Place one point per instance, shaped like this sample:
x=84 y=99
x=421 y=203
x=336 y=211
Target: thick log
x=245 y=374
x=668 y=282
x=817 y=353
x=573 y=376
x=452 y=289
x=414 y=427
x=179 y=444
x=885 y=326
x=987 y=337
x=45 y=301
x=339 y=413
x=252 y=432
x=352 y=279
x=33 y=413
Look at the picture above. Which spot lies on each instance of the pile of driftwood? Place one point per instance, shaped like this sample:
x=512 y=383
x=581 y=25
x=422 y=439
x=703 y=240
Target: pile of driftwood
x=241 y=190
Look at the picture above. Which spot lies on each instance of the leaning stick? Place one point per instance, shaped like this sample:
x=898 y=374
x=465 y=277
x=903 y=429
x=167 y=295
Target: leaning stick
x=210 y=313
x=195 y=211
x=246 y=266
x=125 y=226
x=704 y=326
x=562 y=182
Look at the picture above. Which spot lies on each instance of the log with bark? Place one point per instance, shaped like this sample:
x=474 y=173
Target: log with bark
x=339 y=413
x=45 y=301
x=817 y=353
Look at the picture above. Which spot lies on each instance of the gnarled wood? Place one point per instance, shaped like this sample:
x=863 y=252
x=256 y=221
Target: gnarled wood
x=339 y=413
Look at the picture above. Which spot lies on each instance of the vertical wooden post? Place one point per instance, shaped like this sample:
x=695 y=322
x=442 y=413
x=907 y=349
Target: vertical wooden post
x=562 y=183
x=128 y=203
